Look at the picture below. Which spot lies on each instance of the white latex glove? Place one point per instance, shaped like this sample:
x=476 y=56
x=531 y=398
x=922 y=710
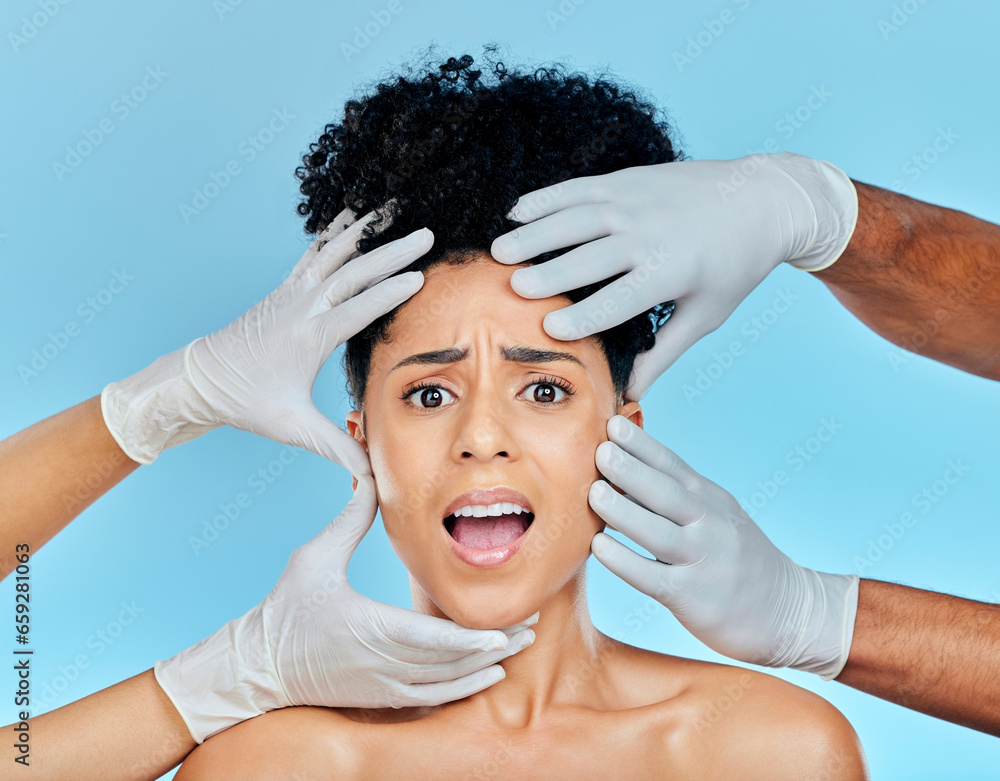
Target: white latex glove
x=715 y=570
x=315 y=641
x=258 y=372
x=701 y=233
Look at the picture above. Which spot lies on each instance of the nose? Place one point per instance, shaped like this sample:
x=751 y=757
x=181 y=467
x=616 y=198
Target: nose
x=483 y=428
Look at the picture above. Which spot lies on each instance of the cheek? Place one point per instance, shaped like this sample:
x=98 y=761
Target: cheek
x=408 y=490
x=566 y=462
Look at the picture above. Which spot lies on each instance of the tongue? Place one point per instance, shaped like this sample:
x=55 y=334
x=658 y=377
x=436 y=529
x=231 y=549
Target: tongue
x=490 y=532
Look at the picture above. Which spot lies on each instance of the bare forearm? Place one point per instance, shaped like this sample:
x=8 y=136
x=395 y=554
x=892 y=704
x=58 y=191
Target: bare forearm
x=924 y=277
x=51 y=472
x=934 y=653
x=128 y=731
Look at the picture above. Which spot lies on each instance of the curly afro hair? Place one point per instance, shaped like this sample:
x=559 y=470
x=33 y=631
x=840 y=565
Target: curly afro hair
x=452 y=148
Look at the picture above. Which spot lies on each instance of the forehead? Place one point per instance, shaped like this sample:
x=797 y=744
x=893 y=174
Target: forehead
x=472 y=304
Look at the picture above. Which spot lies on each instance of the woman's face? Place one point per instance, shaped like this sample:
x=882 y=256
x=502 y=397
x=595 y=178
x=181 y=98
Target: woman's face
x=511 y=414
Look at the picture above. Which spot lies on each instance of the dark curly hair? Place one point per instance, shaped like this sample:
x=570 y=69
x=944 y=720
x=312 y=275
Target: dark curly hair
x=453 y=149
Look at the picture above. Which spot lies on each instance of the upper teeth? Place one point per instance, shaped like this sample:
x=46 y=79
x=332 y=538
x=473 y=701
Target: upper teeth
x=482 y=510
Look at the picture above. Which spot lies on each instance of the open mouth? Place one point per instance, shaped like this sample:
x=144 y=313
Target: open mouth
x=486 y=527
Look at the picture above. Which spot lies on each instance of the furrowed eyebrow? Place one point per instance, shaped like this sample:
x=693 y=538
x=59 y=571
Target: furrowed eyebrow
x=451 y=355
x=533 y=355
x=517 y=354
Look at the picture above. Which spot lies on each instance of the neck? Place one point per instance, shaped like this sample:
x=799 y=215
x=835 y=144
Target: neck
x=560 y=668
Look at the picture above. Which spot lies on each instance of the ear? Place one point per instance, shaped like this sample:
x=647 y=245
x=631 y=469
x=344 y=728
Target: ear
x=356 y=430
x=632 y=411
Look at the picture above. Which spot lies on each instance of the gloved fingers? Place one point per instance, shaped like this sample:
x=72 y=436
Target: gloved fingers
x=342 y=322
x=592 y=262
x=445 y=671
x=613 y=304
x=375 y=266
x=333 y=547
x=679 y=333
x=649 y=450
x=548 y=200
x=416 y=694
x=658 y=492
x=651 y=577
x=565 y=228
x=331 y=248
x=308 y=428
x=513 y=630
x=418 y=637
x=656 y=533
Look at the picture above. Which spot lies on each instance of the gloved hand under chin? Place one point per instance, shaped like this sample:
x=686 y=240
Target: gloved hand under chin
x=314 y=640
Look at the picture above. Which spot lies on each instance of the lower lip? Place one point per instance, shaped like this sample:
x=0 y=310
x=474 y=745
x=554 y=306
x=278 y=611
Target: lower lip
x=487 y=559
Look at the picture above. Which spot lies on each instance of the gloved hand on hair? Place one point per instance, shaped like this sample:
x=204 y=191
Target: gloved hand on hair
x=701 y=233
x=257 y=373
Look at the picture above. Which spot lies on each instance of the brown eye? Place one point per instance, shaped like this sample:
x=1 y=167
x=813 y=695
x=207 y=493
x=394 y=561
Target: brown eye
x=545 y=392
x=430 y=397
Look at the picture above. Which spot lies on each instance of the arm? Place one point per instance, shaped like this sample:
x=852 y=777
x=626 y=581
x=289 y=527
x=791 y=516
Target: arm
x=127 y=731
x=934 y=653
x=924 y=277
x=256 y=374
x=741 y=596
x=51 y=472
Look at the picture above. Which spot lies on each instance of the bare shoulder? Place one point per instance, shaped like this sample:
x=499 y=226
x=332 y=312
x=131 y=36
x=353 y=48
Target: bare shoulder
x=760 y=726
x=730 y=722
x=295 y=744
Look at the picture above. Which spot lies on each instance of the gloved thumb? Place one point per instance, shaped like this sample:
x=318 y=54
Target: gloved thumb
x=672 y=340
x=333 y=547
x=318 y=434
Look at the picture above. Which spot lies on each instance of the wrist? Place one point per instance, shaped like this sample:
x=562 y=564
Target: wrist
x=833 y=200
x=828 y=624
x=156 y=408
x=224 y=679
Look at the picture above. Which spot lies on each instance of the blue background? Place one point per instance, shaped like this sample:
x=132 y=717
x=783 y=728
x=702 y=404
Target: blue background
x=890 y=90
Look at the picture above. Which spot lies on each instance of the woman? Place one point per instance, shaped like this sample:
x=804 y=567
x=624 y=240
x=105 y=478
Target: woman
x=481 y=431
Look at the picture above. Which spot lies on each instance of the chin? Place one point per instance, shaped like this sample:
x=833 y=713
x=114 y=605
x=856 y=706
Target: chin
x=486 y=610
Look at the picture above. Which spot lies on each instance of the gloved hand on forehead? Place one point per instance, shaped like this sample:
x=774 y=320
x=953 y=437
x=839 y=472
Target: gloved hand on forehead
x=257 y=373
x=700 y=233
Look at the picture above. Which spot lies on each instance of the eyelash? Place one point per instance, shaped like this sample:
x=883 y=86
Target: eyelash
x=545 y=380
